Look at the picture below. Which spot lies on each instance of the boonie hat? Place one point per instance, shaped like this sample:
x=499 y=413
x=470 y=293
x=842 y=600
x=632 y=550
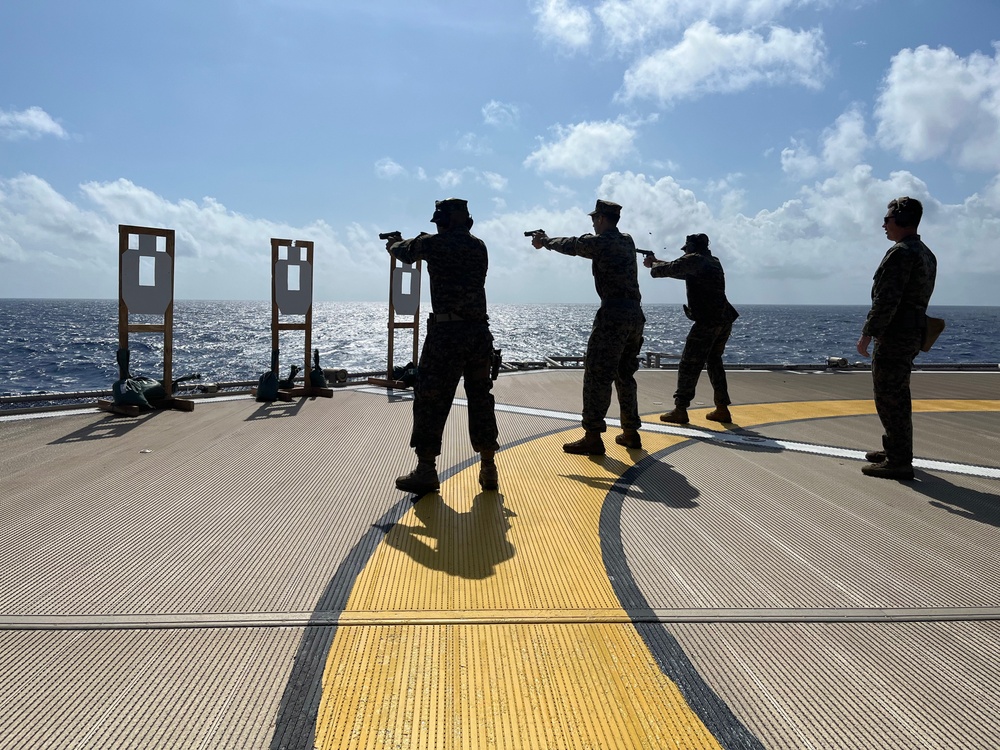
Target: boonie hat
x=606 y=207
x=697 y=240
x=448 y=206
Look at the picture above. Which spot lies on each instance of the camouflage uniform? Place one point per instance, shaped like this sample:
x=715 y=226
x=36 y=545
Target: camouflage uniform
x=713 y=318
x=616 y=337
x=901 y=291
x=458 y=342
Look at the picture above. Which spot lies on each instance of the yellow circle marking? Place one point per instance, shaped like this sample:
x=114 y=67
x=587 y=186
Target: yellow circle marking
x=503 y=628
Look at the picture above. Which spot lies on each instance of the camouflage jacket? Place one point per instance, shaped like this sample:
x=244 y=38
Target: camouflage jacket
x=706 y=286
x=903 y=285
x=457 y=262
x=613 y=263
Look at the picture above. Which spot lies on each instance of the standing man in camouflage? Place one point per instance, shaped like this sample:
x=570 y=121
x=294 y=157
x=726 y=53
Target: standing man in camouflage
x=616 y=337
x=713 y=318
x=897 y=322
x=458 y=344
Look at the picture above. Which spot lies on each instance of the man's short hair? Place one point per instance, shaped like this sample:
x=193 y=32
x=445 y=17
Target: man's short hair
x=906 y=211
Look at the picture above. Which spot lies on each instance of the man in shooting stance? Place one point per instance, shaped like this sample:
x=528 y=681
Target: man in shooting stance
x=458 y=344
x=616 y=337
x=713 y=318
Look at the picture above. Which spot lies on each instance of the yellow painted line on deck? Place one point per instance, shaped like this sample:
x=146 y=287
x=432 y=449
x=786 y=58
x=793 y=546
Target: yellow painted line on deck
x=751 y=415
x=530 y=549
x=523 y=685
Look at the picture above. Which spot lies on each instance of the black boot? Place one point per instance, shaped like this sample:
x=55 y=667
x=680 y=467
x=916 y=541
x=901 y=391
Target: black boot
x=489 y=477
x=630 y=439
x=678 y=416
x=421 y=480
x=590 y=444
x=720 y=414
x=887 y=470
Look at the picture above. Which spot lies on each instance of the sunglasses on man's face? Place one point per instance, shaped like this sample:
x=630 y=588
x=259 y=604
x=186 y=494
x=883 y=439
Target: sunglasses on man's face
x=887 y=219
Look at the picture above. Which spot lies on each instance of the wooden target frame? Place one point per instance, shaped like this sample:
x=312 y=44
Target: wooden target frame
x=288 y=301
x=136 y=298
x=410 y=304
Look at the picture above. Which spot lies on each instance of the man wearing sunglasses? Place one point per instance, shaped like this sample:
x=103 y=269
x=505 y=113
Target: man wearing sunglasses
x=896 y=322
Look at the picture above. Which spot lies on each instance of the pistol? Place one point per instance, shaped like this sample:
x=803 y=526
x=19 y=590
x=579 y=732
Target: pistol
x=390 y=235
x=647 y=253
x=533 y=232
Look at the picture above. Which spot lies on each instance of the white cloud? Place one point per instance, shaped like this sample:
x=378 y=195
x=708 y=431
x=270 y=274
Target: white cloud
x=935 y=104
x=727 y=193
x=818 y=248
x=31 y=123
x=493 y=180
x=51 y=246
x=558 y=193
x=843 y=147
x=844 y=144
x=566 y=24
x=584 y=149
x=388 y=169
x=450 y=178
x=501 y=115
x=10 y=250
x=656 y=213
x=630 y=21
x=991 y=195
x=470 y=143
x=47 y=238
x=707 y=60
x=799 y=161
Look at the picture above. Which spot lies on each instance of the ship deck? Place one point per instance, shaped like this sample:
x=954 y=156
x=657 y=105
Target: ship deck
x=245 y=575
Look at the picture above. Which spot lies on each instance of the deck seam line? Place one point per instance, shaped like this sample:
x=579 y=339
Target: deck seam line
x=486 y=617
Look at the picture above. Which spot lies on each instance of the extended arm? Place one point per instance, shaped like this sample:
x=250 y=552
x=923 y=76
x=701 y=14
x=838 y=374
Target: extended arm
x=685 y=266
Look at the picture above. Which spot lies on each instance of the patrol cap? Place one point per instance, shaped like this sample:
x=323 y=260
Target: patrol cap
x=450 y=206
x=607 y=208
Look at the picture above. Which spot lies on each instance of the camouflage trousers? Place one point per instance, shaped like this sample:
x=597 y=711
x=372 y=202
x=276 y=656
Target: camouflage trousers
x=452 y=351
x=703 y=349
x=892 y=362
x=612 y=357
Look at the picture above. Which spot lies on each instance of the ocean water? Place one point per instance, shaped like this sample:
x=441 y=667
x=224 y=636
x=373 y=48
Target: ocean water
x=69 y=345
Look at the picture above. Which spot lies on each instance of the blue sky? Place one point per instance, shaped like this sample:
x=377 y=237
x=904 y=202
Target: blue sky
x=780 y=128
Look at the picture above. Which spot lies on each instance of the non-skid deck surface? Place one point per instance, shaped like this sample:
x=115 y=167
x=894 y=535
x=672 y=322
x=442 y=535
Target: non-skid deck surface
x=246 y=576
